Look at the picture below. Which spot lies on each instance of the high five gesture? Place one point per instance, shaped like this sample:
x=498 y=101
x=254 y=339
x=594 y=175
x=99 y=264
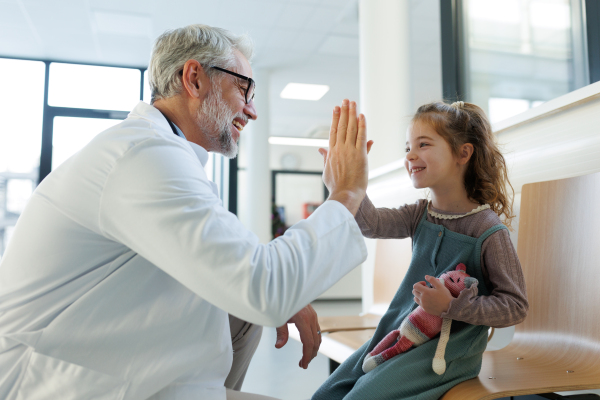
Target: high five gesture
x=346 y=167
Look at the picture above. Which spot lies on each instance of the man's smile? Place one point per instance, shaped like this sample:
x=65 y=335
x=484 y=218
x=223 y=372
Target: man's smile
x=238 y=125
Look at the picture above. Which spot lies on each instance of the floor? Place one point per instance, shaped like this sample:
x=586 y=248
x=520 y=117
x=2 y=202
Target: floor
x=275 y=372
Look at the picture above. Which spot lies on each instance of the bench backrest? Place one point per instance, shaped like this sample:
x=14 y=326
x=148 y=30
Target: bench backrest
x=559 y=249
x=392 y=259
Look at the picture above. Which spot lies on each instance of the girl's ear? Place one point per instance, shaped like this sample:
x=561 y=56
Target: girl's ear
x=465 y=153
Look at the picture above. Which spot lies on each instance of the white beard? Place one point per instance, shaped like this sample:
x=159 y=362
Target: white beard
x=214 y=118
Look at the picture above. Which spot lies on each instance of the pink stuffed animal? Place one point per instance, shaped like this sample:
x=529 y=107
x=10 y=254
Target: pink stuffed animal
x=419 y=327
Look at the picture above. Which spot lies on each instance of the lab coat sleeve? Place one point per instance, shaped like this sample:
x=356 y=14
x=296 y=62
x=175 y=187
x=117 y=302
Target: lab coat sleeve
x=158 y=202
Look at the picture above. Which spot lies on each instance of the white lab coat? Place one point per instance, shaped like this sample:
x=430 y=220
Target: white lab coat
x=121 y=271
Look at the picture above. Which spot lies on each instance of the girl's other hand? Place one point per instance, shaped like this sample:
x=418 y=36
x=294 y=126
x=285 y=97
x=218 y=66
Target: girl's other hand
x=434 y=300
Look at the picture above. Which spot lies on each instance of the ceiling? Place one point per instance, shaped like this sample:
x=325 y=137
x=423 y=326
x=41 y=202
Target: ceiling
x=306 y=41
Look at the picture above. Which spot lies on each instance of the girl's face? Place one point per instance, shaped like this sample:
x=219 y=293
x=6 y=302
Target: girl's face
x=429 y=159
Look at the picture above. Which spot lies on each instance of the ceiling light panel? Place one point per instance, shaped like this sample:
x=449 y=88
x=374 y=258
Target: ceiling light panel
x=304 y=91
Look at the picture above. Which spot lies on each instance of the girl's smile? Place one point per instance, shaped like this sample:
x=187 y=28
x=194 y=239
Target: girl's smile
x=429 y=159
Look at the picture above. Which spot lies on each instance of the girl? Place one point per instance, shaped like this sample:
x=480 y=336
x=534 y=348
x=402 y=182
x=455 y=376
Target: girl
x=450 y=149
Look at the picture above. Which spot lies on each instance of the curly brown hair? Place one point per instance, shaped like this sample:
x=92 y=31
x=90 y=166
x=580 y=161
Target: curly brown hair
x=486 y=178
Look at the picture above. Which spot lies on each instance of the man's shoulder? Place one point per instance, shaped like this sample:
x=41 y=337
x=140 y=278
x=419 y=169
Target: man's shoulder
x=135 y=132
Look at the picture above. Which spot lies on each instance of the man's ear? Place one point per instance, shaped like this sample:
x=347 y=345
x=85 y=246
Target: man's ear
x=194 y=80
x=465 y=153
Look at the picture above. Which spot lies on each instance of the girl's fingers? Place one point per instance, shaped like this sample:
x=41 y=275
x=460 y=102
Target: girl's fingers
x=323 y=152
x=352 y=125
x=342 y=124
x=361 y=138
x=334 y=125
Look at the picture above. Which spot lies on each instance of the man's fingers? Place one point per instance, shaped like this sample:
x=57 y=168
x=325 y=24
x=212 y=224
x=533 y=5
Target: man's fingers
x=306 y=321
x=352 y=130
x=317 y=342
x=334 y=125
x=307 y=349
x=342 y=124
x=282 y=336
x=361 y=138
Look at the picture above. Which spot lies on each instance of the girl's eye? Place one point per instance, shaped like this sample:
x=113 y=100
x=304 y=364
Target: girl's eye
x=407 y=149
x=424 y=144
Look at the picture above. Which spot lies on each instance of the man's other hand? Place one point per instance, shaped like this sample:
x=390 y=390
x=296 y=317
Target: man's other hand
x=308 y=326
x=346 y=168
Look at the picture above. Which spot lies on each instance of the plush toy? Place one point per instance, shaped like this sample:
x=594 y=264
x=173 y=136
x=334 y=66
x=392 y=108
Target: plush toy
x=419 y=327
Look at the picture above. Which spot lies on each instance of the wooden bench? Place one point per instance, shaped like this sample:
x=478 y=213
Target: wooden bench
x=557 y=348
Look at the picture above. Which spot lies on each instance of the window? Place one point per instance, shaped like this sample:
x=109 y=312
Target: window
x=512 y=55
x=21 y=117
x=93 y=87
x=147 y=92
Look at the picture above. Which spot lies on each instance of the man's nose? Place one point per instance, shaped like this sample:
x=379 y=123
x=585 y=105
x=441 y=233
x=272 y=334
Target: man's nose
x=250 y=110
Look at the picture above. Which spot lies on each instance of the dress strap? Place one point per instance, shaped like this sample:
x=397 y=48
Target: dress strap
x=484 y=236
x=423 y=219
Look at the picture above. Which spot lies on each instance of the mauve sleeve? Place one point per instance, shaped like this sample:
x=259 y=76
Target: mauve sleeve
x=507 y=305
x=389 y=223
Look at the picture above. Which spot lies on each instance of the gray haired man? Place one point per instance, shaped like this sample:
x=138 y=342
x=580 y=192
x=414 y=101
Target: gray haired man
x=140 y=282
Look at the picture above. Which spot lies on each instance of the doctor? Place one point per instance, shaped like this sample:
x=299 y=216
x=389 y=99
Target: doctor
x=125 y=278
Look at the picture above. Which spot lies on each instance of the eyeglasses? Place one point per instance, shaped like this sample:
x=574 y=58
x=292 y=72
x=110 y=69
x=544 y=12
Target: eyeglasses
x=249 y=95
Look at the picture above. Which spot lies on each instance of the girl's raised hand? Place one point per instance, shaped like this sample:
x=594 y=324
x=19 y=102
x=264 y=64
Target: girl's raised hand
x=346 y=168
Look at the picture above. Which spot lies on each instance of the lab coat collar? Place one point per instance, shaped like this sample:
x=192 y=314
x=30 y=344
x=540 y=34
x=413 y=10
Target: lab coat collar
x=151 y=113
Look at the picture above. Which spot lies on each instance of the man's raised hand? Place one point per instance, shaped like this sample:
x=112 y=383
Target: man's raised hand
x=346 y=168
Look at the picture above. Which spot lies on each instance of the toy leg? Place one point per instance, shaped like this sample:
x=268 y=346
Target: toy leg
x=386 y=342
x=374 y=358
x=399 y=348
x=378 y=357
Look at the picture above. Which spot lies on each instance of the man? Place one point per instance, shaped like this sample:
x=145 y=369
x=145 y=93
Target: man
x=126 y=279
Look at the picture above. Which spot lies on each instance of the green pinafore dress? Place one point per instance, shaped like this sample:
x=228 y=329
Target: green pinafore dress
x=410 y=375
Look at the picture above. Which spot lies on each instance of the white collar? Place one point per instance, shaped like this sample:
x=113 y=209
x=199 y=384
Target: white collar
x=453 y=215
x=151 y=113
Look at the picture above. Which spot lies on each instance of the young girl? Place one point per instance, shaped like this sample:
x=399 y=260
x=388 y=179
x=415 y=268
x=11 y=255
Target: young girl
x=450 y=149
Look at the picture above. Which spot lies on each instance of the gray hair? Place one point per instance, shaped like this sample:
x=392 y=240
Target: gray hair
x=206 y=44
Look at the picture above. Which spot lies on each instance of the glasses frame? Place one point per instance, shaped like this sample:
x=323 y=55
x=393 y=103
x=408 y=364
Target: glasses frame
x=251 y=82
